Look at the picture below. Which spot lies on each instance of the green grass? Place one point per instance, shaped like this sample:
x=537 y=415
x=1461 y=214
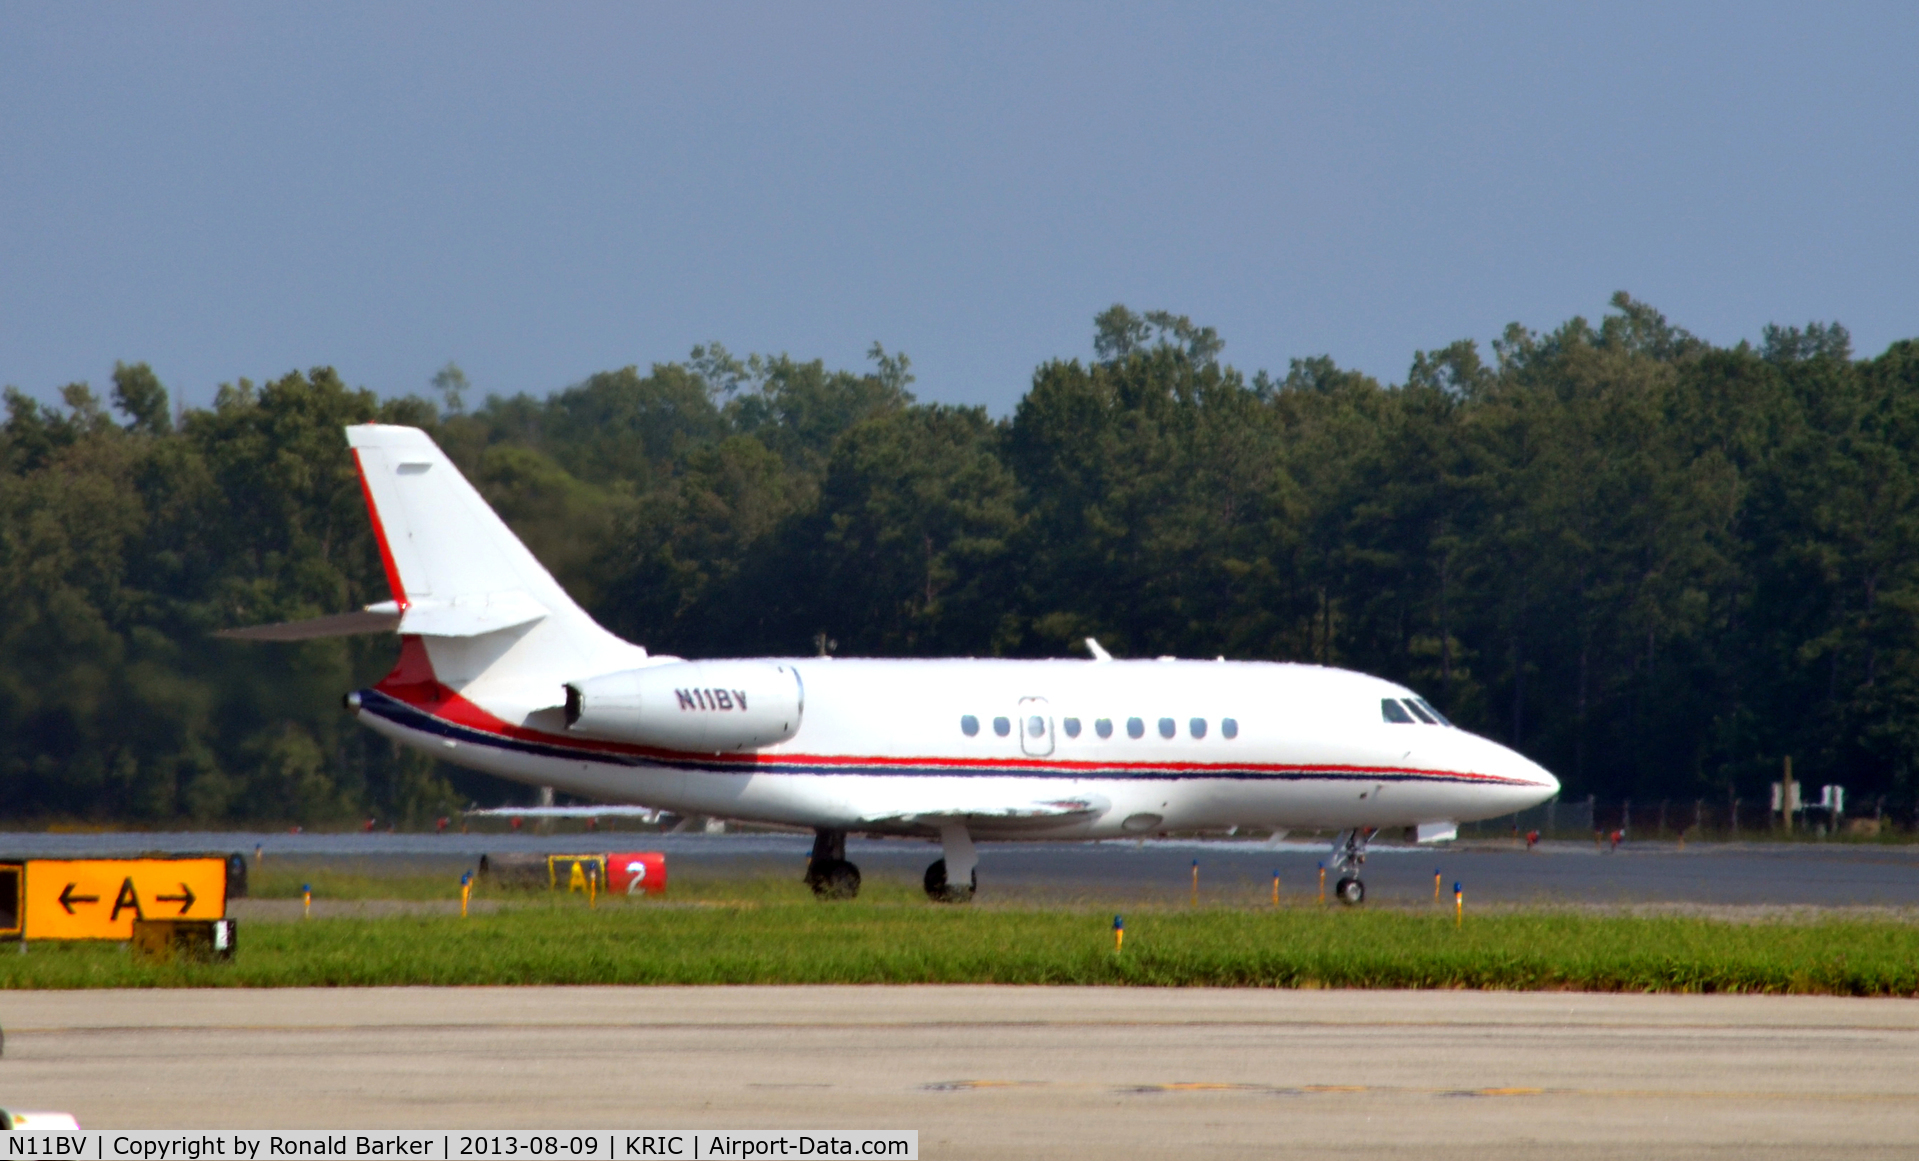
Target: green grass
x=342 y=879
x=283 y=879
x=778 y=940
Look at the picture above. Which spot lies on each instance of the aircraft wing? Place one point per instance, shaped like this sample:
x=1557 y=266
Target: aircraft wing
x=644 y=813
x=1037 y=815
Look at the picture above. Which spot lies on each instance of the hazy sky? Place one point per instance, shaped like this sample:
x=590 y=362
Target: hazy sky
x=543 y=191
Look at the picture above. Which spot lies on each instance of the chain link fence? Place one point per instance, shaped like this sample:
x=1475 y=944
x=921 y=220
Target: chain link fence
x=1697 y=818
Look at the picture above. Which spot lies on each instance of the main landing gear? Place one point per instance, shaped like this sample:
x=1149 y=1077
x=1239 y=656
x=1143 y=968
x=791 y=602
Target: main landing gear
x=828 y=872
x=1349 y=854
x=954 y=877
x=951 y=879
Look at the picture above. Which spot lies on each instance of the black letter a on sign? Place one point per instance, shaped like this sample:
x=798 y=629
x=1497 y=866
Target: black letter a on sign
x=128 y=898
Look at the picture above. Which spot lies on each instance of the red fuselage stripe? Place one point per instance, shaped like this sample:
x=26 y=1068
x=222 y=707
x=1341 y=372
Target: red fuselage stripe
x=450 y=707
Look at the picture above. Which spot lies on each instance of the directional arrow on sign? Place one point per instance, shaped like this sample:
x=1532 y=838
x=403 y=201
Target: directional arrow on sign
x=68 y=898
x=184 y=898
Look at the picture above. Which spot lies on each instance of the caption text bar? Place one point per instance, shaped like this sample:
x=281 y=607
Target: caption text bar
x=474 y=1145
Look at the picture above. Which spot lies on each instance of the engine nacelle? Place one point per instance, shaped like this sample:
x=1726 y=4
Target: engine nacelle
x=711 y=706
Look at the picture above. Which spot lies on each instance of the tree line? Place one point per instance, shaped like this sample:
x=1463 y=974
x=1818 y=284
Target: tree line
x=1655 y=565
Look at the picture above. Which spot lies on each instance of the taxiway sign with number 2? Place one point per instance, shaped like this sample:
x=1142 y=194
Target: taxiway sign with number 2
x=100 y=898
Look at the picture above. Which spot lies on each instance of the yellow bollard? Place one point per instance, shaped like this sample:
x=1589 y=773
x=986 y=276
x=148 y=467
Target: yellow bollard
x=1119 y=932
x=1459 y=905
x=306 y=896
x=592 y=889
x=466 y=891
x=1275 y=888
x=1435 y=884
x=1322 y=884
x=1195 y=882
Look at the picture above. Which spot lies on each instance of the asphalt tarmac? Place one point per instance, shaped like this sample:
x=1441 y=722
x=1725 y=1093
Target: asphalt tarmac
x=1791 y=874
x=1796 y=874
x=1004 y=1072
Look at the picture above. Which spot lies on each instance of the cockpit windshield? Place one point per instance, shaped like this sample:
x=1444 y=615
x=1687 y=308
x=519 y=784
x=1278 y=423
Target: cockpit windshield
x=1410 y=711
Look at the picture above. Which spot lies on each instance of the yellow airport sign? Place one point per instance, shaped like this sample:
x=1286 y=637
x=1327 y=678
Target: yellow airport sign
x=100 y=898
x=573 y=869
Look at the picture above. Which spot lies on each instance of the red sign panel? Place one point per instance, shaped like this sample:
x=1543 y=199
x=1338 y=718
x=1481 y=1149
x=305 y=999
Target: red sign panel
x=636 y=873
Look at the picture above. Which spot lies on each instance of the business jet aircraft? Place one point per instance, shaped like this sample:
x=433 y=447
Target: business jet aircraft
x=499 y=670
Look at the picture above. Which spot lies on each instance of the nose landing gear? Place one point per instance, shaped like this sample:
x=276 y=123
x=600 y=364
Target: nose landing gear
x=1349 y=854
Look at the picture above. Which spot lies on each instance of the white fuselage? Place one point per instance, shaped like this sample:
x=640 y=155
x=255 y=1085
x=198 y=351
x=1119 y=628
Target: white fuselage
x=502 y=671
x=883 y=747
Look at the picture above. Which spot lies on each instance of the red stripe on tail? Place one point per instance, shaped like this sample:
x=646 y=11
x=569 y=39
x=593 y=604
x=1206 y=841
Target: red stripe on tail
x=379 y=537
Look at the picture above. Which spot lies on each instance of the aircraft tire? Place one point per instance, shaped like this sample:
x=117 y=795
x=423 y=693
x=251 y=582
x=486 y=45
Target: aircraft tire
x=1349 y=891
x=836 y=880
x=941 y=891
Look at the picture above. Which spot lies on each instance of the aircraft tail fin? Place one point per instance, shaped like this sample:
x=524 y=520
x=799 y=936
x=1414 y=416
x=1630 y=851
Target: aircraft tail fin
x=440 y=542
x=456 y=570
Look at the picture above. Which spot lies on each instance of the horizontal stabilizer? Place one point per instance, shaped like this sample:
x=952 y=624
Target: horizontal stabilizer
x=470 y=616
x=337 y=625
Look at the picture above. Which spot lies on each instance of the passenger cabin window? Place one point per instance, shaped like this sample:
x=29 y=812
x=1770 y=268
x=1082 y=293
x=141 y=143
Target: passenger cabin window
x=1389 y=708
x=1428 y=707
x=969 y=725
x=1036 y=727
x=1003 y=727
x=1197 y=727
x=1229 y=728
x=1072 y=727
x=1135 y=728
x=1412 y=703
x=1167 y=728
x=1103 y=727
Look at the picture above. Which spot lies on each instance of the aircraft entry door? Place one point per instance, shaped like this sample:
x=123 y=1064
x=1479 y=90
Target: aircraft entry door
x=1035 y=726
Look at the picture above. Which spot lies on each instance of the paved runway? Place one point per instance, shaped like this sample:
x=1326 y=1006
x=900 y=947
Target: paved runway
x=1739 y=874
x=1717 y=874
x=1004 y=1072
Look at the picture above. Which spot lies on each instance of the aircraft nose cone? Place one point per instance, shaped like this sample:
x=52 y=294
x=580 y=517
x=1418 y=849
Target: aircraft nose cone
x=1547 y=782
x=1538 y=782
x=1545 y=785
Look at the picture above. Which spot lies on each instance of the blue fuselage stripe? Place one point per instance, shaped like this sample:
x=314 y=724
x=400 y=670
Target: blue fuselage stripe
x=412 y=718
